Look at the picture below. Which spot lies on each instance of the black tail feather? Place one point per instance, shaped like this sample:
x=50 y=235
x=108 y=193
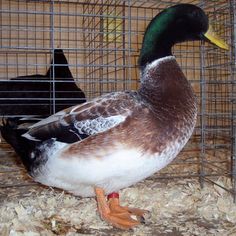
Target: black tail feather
x=22 y=146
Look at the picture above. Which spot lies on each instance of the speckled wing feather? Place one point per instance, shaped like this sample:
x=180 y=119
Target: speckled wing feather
x=79 y=122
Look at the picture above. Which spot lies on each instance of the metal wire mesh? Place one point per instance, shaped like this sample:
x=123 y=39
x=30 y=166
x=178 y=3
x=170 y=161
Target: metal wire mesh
x=101 y=40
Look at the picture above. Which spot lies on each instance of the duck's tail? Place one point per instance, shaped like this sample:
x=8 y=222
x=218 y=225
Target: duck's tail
x=11 y=132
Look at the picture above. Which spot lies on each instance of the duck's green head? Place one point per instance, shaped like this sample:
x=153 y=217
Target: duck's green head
x=179 y=23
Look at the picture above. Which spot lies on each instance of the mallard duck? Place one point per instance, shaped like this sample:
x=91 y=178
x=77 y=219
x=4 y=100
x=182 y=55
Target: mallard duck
x=31 y=95
x=119 y=139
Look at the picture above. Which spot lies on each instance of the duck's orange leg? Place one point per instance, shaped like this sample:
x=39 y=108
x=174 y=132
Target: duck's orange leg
x=113 y=213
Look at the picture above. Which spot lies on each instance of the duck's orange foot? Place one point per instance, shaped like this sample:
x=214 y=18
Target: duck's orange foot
x=118 y=216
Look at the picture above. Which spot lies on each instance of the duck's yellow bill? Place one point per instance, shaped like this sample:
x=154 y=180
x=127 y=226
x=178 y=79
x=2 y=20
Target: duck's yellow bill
x=215 y=39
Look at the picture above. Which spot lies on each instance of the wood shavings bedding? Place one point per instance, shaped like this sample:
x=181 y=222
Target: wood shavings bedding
x=177 y=208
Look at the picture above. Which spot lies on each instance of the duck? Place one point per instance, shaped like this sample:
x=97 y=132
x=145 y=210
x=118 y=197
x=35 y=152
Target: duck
x=31 y=95
x=97 y=148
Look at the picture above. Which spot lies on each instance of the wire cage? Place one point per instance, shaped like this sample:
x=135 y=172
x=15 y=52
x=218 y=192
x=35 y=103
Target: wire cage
x=101 y=40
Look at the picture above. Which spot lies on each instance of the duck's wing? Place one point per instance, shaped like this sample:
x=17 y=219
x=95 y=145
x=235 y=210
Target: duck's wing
x=79 y=122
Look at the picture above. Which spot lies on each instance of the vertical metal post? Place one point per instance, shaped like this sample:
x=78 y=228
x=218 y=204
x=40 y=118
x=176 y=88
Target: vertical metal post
x=103 y=12
x=232 y=4
x=129 y=80
x=52 y=82
x=124 y=40
x=202 y=110
x=202 y=115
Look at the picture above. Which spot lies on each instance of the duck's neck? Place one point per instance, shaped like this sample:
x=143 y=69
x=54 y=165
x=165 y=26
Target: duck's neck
x=158 y=39
x=156 y=51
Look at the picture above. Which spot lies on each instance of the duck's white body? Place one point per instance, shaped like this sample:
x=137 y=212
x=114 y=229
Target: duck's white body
x=122 y=168
x=113 y=156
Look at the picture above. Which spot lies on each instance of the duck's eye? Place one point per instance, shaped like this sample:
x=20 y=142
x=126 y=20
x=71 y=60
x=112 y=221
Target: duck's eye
x=195 y=15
